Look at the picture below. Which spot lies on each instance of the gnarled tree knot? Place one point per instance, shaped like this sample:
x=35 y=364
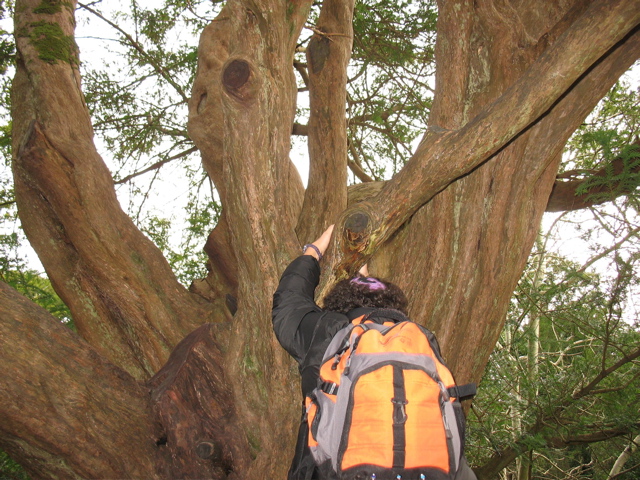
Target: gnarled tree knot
x=235 y=76
x=357 y=228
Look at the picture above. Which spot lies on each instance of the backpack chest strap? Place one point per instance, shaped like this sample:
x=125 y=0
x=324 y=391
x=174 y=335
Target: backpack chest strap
x=463 y=392
x=329 y=388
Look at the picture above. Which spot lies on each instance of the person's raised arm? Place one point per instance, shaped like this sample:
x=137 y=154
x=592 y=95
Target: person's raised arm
x=317 y=248
x=293 y=300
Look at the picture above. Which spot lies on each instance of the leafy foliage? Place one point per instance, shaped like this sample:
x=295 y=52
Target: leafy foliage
x=9 y=470
x=7 y=45
x=15 y=272
x=389 y=96
x=548 y=403
x=605 y=149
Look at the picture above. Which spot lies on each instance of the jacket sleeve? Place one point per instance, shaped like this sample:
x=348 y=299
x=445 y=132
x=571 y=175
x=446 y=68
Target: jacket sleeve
x=293 y=302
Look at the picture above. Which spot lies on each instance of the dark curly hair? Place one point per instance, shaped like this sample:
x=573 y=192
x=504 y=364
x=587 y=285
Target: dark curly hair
x=365 y=292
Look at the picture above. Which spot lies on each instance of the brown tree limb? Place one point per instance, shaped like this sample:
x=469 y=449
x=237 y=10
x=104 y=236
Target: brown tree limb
x=66 y=411
x=300 y=129
x=599 y=435
x=564 y=196
x=206 y=128
x=440 y=152
x=262 y=200
x=301 y=68
x=356 y=166
x=328 y=55
x=125 y=300
x=507 y=456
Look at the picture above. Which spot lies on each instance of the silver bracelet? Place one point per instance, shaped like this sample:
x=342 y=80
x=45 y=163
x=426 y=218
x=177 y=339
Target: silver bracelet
x=311 y=245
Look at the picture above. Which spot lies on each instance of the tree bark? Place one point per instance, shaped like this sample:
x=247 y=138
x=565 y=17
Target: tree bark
x=262 y=201
x=67 y=412
x=449 y=155
x=124 y=298
x=474 y=237
x=328 y=55
x=200 y=435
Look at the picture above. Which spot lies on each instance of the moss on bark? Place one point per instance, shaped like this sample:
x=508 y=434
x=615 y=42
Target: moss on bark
x=52 y=44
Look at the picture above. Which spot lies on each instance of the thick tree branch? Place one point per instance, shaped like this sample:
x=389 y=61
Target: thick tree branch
x=440 y=153
x=205 y=107
x=301 y=68
x=564 y=196
x=66 y=411
x=328 y=55
x=206 y=128
x=262 y=200
x=125 y=300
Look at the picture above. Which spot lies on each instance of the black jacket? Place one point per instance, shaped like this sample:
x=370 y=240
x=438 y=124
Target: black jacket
x=305 y=331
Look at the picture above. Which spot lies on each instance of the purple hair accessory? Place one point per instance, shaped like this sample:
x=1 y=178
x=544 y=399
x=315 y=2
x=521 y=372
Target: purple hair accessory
x=370 y=282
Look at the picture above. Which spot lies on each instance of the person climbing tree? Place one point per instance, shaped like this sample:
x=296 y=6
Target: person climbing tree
x=409 y=427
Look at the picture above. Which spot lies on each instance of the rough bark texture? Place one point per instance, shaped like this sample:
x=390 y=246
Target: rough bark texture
x=67 y=412
x=199 y=436
x=454 y=228
x=124 y=298
x=476 y=234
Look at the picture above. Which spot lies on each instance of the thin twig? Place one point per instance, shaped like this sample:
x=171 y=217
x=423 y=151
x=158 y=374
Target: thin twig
x=157 y=165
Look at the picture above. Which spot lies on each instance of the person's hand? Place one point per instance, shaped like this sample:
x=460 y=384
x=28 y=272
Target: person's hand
x=322 y=243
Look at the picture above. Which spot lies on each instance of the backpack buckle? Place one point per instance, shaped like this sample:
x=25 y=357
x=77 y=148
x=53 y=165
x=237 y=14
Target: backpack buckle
x=399 y=411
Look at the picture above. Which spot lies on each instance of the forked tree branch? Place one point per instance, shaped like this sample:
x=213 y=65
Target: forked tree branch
x=448 y=155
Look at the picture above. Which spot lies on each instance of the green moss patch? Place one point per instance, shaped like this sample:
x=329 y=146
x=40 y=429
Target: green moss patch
x=49 y=7
x=52 y=44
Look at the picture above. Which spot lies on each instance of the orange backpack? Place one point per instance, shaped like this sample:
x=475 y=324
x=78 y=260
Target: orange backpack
x=386 y=406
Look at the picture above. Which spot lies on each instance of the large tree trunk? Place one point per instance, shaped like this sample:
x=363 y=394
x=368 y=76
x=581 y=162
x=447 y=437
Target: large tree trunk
x=454 y=228
x=460 y=256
